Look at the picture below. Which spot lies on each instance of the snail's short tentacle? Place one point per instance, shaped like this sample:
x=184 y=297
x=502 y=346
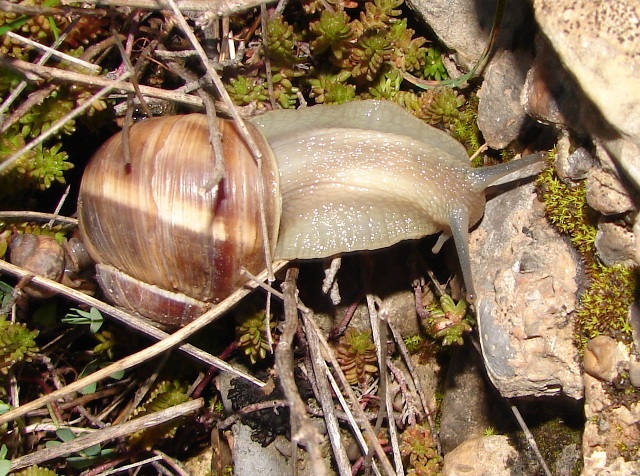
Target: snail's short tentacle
x=459 y=220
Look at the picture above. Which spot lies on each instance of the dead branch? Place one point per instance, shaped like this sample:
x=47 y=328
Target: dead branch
x=106 y=434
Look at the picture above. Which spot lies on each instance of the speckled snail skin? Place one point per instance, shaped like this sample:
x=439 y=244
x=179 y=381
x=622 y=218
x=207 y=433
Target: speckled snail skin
x=359 y=176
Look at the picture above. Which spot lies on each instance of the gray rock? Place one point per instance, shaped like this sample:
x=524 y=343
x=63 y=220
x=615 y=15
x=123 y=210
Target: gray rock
x=526 y=278
x=464 y=25
x=610 y=426
x=576 y=165
x=598 y=42
x=467 y=406
x=606 y=194
x=615 y=244
x=501 y=116
x=483 y=456
x=549 y=94
x=634 y=371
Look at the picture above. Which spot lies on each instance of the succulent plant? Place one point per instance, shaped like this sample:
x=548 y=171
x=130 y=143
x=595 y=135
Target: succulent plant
x=357 y=355
x=17 y=344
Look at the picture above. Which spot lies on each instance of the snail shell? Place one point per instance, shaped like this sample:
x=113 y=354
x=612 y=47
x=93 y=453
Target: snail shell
x=40 y=254
x=359 y=176
x=167 y=240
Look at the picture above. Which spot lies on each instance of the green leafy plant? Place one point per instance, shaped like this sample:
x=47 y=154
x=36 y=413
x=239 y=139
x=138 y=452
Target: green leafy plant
x=356 y=354
x=84 y=458
x=419 y=451
x=17 y=344
x=449 y=321
x=251 y=336
x=167 y=394
x=77 y=317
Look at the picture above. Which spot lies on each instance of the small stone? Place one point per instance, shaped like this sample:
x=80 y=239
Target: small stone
x=482 y=456
x=634 y=371
x=615 y=245
x=606 y=194
x=501 y=117
x=547 y=95
x=467 y=407
x=464 y=25
x=602 y=357
x=576 y=165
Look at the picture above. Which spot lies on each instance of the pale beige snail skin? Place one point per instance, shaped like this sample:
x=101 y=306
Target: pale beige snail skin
x=359 y=176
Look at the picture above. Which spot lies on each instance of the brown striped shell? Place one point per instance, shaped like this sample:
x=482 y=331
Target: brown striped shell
x=167 y=240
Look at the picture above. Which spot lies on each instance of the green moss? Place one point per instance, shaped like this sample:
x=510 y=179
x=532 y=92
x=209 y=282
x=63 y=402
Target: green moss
x=606 y=302
x=567 y=209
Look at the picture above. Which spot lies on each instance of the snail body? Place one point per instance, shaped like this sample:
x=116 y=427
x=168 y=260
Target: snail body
x=359 y=176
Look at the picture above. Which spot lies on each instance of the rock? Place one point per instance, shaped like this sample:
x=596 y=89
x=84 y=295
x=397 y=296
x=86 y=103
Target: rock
x=606 y=194
x=501 y=117
x=612 y=427
x=468 y=406
x=576 y=165
x=464 y=25
x=604 y=358
x=615 y=245
x=598 y=42
x=549 y=94
x=482 y=456
x=634 y=371
x=526 y=278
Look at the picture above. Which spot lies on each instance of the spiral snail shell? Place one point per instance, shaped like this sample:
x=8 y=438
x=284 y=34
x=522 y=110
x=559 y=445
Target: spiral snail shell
x=358 y=176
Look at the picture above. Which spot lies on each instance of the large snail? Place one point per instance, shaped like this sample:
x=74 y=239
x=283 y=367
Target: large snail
x=359 y=176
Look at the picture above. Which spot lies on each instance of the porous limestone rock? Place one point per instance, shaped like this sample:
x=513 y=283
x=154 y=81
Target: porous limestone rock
x=526 y=278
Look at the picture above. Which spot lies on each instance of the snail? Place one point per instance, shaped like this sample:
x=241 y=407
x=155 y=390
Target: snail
x=359 y=176
x=45 y=256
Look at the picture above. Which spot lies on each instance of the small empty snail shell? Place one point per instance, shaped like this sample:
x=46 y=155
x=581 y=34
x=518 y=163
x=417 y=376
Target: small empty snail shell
x=42 y=255
x=358 y=176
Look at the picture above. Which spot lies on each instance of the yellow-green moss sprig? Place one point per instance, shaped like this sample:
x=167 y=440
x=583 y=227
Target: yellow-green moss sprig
x=606 y=302
x=433 y=66
x=17 y=344
x=167 y=394
x=441 y=106
x=419 y=451
x=369 y=54
x=281 y=42
x=567 y=209
x=246 y=89
x=36 y=470
x=379 y=14
x=449 y=321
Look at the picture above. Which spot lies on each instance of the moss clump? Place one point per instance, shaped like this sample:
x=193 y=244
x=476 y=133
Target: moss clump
x=567 y=209
x=606 y=302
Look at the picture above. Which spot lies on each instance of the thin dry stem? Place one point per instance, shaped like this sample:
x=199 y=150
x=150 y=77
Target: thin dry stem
x=106 y=434
x=128 y=319
x=36 y=72
x=302 y=428
x=59 y=124
x=132 y=360
x=218 y=7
